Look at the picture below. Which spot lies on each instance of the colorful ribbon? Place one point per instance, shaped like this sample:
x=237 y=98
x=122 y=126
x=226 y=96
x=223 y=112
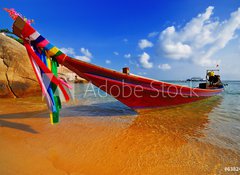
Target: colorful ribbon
x=42 y=56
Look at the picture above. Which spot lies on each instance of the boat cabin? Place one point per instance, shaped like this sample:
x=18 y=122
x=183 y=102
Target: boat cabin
x=213 y=80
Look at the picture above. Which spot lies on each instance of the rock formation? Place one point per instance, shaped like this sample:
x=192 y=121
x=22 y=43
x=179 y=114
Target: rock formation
x=69 y=76
x=17 y=78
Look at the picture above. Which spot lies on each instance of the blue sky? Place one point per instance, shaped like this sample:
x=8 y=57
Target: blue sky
x=158 y=39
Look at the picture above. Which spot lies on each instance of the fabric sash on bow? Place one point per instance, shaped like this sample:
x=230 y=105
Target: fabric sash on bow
x=42 y=56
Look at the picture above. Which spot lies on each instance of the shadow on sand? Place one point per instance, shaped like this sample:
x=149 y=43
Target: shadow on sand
x=194 y=113
x=94 y=110
x=19 y=126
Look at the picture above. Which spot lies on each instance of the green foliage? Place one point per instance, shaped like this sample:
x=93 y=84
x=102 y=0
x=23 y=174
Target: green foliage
x=5 y=31
x=16 y=38
x=11 y=35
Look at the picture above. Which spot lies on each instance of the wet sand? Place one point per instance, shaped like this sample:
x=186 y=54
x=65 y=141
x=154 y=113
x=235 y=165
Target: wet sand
x=95 y=140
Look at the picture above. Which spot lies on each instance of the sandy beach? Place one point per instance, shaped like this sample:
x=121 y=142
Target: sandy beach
x=168 y=141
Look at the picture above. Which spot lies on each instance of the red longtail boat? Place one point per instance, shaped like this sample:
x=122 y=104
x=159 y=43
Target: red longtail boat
x=132 y=90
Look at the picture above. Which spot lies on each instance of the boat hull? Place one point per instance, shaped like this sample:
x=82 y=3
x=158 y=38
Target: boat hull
x=138 y=92
x=139 y=97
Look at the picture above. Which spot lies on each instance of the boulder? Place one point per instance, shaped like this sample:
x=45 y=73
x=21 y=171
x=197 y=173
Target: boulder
x=69 y=76
x=17 y=78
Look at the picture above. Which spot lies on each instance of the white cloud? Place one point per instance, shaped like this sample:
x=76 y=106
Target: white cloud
x=177 y=50
x=144 y=60
x=143 y=43
x=108 y=61
x=85 y=57
x=127 y=55
x=152 y=34
x=68 y=51
x=134 y=63
x=86 y=52
x=116 y=53
x=164 y=67
x=200 y=38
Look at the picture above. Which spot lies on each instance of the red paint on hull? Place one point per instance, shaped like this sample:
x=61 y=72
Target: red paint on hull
x=137 y=92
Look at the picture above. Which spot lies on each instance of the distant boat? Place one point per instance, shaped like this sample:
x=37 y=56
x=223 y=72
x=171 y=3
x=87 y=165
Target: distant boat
x=196 y=79
x=132 y=90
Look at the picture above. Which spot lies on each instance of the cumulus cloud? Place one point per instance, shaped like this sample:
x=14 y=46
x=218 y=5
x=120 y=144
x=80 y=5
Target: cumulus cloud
x=68 y=51
x=200 y=38
x=87 y=56
x=127 y=55
x=152 y=34
x=83 y=58
x=86 y=52
x=144 y=60
x=164 y=67
x=143 y=43
x=108 y=61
